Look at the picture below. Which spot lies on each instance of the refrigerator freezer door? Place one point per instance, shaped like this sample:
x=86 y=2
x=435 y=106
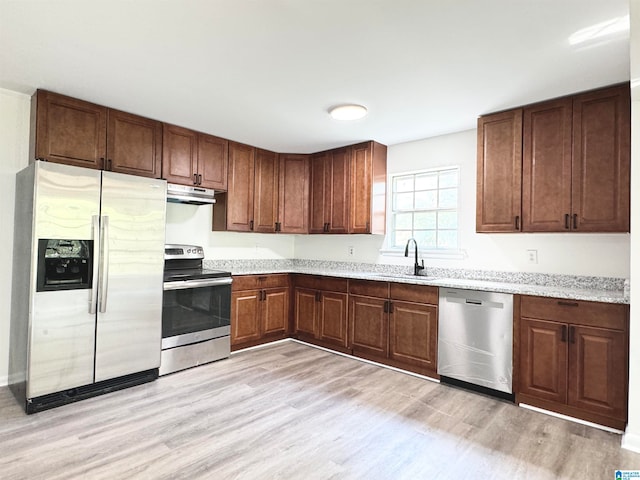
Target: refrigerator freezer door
x=129 y=324
x=61 y=329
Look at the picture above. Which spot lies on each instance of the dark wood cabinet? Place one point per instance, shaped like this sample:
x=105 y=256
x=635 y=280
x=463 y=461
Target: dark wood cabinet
x=573 y=358
x=293 y=211
x=75 y=132
x=193 y=158
x=575 y=165
x=330 y=185
x=368 y=175
x=240 y=188
x=546 y=169
x=499 y=172
x=394 y=323
x=321 y=310
x=265 y=200
x=600 y=194
x=260 y=306
x=413 y=334
x=278 y=192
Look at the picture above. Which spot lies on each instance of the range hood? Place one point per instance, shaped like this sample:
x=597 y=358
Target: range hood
x=191 y=195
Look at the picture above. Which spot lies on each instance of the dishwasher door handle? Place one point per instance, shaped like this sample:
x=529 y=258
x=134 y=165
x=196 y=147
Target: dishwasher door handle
x=473 y=302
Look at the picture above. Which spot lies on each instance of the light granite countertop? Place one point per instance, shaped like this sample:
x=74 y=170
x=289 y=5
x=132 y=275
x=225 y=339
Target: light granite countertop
x=595 y=289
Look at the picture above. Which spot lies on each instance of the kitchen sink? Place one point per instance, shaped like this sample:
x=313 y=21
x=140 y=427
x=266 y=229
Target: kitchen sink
x=404 y=276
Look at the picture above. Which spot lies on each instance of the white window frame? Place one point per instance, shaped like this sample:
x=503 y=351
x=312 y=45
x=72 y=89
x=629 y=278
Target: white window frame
x=444 y=253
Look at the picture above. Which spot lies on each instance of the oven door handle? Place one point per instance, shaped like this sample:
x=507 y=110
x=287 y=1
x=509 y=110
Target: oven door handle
x=209 y=282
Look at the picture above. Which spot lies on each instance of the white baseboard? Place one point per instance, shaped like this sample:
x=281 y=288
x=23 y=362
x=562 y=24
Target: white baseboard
x=571 y=419
x=4 y=381
x=631 y=441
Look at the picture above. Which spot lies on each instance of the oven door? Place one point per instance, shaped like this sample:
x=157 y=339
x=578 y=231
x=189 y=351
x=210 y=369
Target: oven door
x=195 y=310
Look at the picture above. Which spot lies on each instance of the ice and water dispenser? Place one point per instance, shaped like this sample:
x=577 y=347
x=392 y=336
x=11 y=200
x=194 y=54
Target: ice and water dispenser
x=64 y=264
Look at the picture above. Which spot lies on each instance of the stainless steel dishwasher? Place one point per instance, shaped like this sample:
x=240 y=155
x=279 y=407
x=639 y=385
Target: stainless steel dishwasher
x=475 y=339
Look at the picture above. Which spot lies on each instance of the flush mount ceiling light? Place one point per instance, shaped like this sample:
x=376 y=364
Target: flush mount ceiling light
x=347 y=112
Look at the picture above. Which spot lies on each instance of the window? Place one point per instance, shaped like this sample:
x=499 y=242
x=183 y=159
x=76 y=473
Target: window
x=424 y=205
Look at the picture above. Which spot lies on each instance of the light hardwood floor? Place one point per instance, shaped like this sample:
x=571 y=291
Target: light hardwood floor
x=290 y=411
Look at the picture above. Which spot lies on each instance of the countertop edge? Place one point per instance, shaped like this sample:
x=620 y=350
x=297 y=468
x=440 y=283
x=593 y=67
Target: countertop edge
x=604 y=296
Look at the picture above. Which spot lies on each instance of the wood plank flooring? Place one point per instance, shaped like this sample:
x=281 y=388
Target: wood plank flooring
x=290 y=411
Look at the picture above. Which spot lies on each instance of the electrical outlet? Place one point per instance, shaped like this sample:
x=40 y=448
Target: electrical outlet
x=350 y=250
x=532 y=256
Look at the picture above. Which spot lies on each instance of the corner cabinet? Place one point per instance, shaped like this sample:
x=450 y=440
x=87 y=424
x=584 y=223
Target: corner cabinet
x=557 y=166
x=260 y=307
x=320 y=311
x=83 y=134
x=574 y=358
x=348 y=190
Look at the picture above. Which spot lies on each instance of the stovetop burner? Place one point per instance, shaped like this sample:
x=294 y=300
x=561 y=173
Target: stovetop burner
x=184 y=262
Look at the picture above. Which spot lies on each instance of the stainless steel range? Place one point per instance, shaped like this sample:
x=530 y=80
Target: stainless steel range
x=196 y=310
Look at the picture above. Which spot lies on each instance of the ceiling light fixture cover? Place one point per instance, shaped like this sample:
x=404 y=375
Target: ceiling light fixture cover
x=347 y=112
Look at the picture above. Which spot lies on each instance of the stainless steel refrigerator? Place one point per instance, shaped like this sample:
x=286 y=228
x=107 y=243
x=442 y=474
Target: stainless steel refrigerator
x=87 y=292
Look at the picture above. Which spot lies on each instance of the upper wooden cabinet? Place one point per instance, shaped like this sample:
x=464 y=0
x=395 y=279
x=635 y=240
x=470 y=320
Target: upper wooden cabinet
x=329 y=197
x=368 y=188
x=348 y=190
x=293 y=201
x=574 y=155
x=600 y=173
x=193 y=158
x=265 y=199
x=75 y=132
x=499 y=180
x=240 y=188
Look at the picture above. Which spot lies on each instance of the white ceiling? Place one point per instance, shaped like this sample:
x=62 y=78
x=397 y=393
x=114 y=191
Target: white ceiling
x=265 y=72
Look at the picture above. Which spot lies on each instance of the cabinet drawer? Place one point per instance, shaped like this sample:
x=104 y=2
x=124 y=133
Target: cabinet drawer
x=321 y=283
x=413 y=293
x=596 y=314
x=369 y=288
x=251 y=282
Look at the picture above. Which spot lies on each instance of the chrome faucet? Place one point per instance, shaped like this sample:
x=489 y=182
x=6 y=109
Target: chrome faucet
x=416 y=266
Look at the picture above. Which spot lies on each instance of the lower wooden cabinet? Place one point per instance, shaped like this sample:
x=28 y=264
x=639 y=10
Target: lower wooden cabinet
x=395 y=324
x=573 y=358
x=260 y=307
x=320 y=310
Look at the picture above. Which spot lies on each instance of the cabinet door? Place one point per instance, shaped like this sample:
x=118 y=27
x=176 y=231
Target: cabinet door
x=369 y=325
x=499 y=173
x=598 y=370
x=546 y=167
x=134 y=145
x=601 y=160
x=70 y=131
x=275 y=310
x=413 y=334
x=245 y=318
x=240 y=187
x=265 y=206
x=332 y=318
x=318 y=217
x=179 y=150
x=337 y=202
x=306 y=308
x=543 y=359
x=293 y=204
x=361 y=184
x=213 y=159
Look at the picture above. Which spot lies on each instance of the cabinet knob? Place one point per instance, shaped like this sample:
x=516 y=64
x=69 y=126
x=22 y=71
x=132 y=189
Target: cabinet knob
x=517 y=222
x=566 y=221
x=575 y=221
x=199 y=179
x=195 y=178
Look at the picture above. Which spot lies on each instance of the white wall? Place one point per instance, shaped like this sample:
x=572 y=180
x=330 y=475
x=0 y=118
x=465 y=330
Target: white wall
x=191 y=224
x=631 y=439
x=14 y=155
x=573 y=254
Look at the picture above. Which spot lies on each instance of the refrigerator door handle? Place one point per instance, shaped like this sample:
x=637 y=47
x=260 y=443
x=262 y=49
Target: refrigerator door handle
x=104 y=267
x=95 y=229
